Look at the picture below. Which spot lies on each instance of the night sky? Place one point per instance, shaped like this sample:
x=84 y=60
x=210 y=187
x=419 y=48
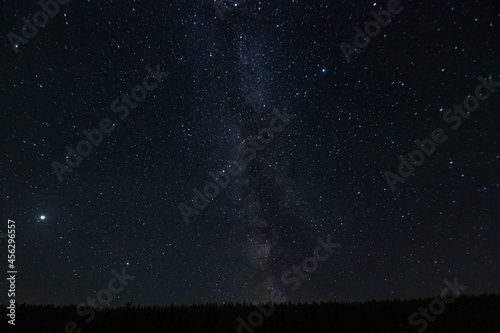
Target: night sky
x=312 y=138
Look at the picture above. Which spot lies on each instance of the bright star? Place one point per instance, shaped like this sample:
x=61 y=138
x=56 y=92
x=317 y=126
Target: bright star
x=42 y=217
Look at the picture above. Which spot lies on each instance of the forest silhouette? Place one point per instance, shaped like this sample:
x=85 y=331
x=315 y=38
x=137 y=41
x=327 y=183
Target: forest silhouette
x=466 y=314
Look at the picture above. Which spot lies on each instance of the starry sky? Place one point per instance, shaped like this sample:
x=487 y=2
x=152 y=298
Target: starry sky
x=218 y=74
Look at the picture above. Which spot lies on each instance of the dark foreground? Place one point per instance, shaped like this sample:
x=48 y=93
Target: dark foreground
x=466 y=314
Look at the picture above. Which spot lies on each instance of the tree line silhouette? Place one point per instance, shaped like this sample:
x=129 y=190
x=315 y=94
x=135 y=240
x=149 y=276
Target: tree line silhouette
x=466 y=314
